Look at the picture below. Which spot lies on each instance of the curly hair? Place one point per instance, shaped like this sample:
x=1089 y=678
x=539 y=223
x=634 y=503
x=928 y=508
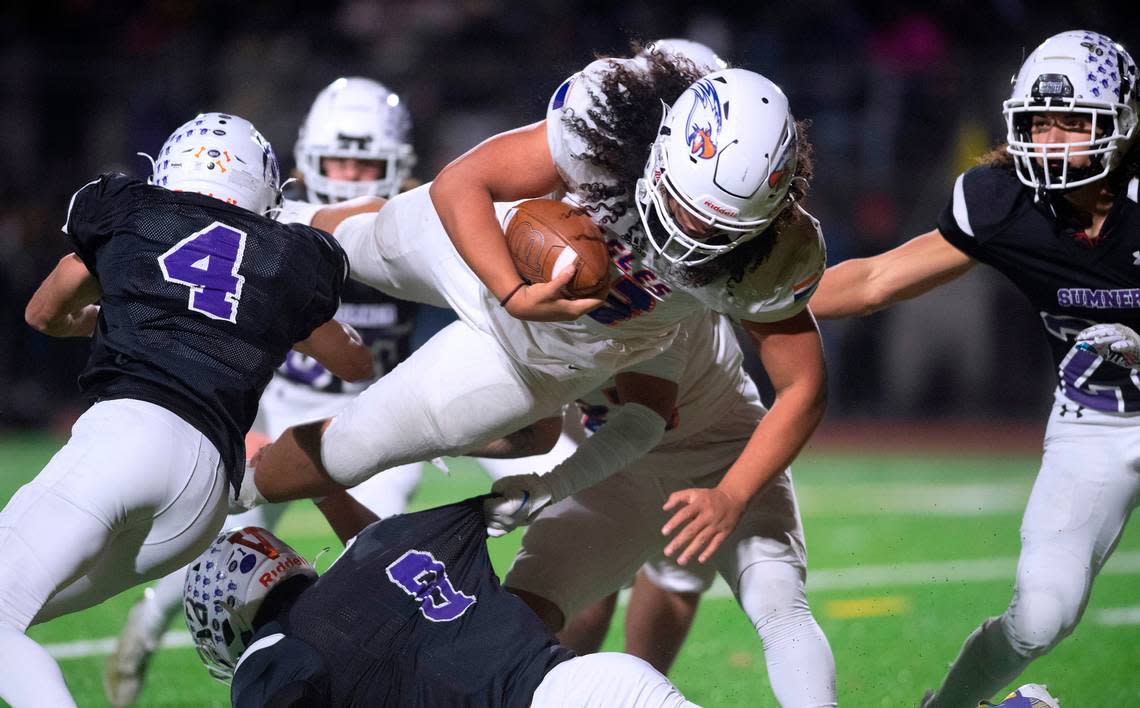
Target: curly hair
x=625 y=120
x=622 y=132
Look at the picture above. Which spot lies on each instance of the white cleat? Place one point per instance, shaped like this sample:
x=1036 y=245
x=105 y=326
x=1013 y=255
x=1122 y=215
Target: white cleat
x=126 y=667
x=1031 y=695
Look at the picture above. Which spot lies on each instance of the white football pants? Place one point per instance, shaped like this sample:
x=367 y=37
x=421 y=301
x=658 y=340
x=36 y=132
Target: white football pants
x=134 y=494
x=585 y=547
x=1087 y=487
x=285 y=404
x=607 y=680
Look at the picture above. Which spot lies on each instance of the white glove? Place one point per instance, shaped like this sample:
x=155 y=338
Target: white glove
x=1115 y=342
x=519 y=499
x=248 y=496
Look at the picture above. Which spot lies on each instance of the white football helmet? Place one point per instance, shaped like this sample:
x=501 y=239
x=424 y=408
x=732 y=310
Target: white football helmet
x=1072 y=72
x=700 y=54
x=222 y=156
x=359 y=118
x=225 y=587
x=723 y=159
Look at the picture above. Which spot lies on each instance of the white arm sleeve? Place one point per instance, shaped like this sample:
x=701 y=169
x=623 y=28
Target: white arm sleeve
x=626 y=437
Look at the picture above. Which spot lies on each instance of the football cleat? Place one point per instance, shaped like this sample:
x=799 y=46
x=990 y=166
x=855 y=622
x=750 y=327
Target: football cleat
x=1031 y=695
x=126 y=668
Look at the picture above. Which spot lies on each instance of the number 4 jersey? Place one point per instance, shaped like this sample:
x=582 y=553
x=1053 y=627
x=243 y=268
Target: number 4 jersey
x=201 y=301
x=1072 y=283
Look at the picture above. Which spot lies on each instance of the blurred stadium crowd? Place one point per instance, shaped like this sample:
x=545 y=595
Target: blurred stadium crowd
x=901 y=99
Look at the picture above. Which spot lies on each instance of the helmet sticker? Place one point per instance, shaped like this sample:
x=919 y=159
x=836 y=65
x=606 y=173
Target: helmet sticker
x=705 y=120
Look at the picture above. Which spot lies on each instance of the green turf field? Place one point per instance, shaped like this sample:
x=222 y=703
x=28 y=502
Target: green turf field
x=908 y=555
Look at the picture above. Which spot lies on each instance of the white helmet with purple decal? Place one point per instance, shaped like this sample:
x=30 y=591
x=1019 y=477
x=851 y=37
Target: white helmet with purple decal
x=1072 y=72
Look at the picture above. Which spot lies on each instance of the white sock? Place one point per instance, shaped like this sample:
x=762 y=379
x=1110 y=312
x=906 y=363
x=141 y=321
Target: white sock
x=801 y=667
x=29 y=677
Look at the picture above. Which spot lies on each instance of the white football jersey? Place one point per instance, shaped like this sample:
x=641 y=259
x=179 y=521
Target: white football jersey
x=706 y=363
x=641 y=301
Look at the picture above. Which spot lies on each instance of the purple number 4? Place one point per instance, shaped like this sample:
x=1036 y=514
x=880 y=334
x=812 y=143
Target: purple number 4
x=207 y=262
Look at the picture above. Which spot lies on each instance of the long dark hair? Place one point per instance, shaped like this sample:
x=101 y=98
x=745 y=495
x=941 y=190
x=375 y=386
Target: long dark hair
x=622 y=126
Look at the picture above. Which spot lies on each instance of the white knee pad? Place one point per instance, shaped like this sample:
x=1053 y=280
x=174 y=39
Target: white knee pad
x=771 y=593
x=1036 y=621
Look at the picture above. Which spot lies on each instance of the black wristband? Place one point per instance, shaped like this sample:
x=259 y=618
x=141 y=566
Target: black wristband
x=522 y=283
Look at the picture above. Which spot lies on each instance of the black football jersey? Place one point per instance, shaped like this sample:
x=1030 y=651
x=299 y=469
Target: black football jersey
x=411 y=615
x=384 y=323
x=994 y=219
x=201 y=301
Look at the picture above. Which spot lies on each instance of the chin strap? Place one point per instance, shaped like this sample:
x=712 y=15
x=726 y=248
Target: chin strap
x=153 y=166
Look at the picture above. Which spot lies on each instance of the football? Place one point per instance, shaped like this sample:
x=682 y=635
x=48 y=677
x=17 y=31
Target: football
x=546 y=235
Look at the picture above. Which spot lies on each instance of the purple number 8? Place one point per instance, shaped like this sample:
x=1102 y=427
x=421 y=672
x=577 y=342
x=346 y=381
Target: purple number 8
x=420 y=575
x=207 y=262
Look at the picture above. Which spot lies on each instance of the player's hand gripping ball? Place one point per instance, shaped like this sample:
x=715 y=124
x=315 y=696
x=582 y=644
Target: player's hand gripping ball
x=545 y=236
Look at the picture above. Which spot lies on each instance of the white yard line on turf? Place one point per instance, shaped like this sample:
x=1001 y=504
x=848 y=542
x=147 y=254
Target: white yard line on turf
x=101 y=647
x=855 y=578
x=1117 y=616
x=979 y=499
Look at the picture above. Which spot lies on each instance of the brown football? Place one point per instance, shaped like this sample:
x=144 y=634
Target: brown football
x=546 y=235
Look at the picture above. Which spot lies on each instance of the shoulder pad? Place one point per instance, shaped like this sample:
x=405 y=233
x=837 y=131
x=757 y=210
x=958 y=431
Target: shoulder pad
x=984 y=198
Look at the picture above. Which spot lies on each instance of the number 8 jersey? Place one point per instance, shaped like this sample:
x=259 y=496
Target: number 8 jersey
x=201 y=301
x=1072 y=283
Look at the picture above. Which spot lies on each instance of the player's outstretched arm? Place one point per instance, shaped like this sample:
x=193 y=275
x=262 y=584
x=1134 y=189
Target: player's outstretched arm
x=339 y=348
x=509 y=166
x=792 y=355
x=864 y=285
x=64 y=304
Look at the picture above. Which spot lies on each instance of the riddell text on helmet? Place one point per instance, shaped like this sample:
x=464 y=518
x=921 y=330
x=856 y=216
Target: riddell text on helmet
x=283 y=565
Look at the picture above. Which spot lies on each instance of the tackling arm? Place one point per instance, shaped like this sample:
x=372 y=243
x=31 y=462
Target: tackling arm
x=339 y=348
x=345 y=515
x=509 y=166
x=864 y=285
x=647 y=404
x=63 y=305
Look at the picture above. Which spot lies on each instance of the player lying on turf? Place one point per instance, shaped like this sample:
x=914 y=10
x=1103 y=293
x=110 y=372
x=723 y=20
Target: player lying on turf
x=710 y=228
x=1055 y=211
x=584 y=547
x=411 y=615
x=200 y=298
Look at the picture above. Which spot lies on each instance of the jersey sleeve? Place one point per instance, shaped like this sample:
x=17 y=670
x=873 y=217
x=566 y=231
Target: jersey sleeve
x=91 y=215
x=286 y=674
x=670 y=364
x=798 y=268
x=330 y=273
x=982 y=201
x=574 y=99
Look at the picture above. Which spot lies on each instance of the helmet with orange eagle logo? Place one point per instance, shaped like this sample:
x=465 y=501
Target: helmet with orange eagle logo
x=719 y=169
